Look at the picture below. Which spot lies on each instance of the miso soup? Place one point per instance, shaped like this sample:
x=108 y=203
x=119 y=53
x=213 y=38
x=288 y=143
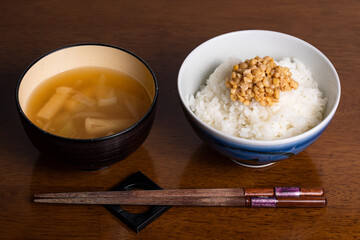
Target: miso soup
x=88 y=102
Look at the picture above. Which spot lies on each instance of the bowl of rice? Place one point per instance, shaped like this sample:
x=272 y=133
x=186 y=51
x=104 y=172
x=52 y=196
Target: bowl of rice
x=237 y=102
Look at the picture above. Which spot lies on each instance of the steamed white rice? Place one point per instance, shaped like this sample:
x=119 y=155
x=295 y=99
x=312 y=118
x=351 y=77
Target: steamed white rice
x=297 y=111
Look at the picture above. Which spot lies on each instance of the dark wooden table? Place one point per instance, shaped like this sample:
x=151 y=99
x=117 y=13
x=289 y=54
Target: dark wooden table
x=163 y=33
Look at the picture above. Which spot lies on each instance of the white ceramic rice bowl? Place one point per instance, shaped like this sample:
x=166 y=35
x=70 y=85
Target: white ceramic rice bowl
x=202 y=61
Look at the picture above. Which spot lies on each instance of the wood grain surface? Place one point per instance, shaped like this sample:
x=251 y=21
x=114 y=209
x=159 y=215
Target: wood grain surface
x=163 y=33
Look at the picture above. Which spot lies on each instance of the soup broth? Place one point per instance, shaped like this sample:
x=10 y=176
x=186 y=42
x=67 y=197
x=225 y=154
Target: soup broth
x=88 y=102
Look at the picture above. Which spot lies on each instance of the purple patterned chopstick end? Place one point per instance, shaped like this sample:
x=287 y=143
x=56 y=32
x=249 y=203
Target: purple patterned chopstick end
x=263 y=202
x=287 y=191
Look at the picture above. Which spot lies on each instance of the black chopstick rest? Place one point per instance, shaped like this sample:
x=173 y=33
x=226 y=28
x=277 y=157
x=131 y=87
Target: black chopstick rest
x=135 y=221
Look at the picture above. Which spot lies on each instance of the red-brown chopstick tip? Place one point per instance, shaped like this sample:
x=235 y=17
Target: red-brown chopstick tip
x=251 y=192
x=301 y=202
x=312 y=191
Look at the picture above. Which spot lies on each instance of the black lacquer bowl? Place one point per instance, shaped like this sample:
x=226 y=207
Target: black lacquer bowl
x=87 y=154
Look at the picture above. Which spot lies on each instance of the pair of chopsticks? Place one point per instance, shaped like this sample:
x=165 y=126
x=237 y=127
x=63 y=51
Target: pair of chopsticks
x=240 y=197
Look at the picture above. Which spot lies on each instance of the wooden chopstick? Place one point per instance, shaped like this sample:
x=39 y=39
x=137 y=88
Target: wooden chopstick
x=181 y=197
x=185 y=197
x=221 y=192
x=174 y=201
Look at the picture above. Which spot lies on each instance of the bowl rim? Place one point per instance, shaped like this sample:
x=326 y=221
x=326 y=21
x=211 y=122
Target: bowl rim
x=152 y=106
x=252 y=142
